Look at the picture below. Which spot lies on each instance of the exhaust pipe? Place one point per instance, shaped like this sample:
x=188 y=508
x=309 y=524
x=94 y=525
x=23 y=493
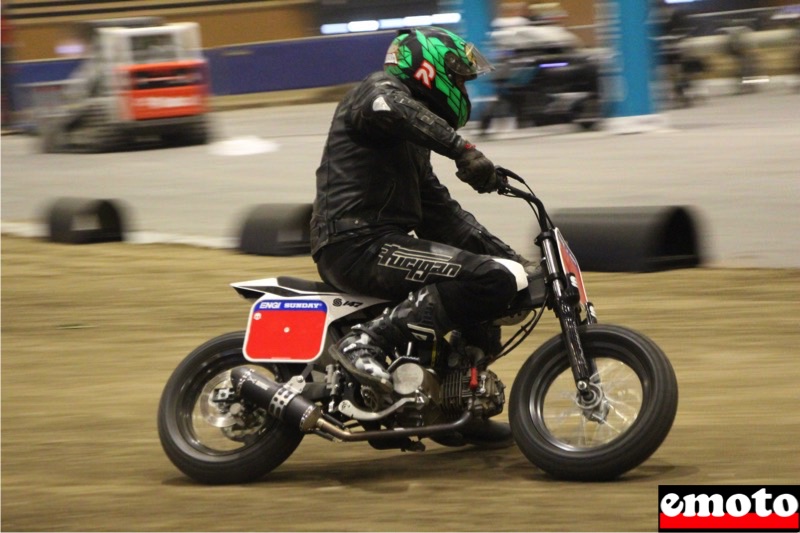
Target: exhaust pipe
x=281 y=400
x=285 y=402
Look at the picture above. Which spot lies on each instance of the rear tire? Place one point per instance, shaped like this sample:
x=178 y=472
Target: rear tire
x=641 y=398
x=201 y=438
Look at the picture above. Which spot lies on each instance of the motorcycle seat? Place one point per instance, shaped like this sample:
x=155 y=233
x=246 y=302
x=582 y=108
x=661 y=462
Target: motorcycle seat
x=305 y=285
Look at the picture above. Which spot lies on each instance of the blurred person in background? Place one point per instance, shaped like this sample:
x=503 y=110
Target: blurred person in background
x=789 y=18
x=740 y=48
x=547 y=13
x=512 y=14
x=672 y=28
x=375 y=185
x=523 y=90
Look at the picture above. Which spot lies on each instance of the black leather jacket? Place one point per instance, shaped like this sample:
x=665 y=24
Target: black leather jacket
x=376 y=174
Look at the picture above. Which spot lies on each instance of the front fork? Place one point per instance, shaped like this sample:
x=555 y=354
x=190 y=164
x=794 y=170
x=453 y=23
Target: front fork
x=590 y=397
x=565 y=304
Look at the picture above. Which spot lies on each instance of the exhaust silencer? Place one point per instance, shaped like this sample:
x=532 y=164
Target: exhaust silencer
x=281 y=400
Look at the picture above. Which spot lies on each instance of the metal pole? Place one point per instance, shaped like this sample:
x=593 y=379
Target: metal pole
x=626 y=79
x=476 y=23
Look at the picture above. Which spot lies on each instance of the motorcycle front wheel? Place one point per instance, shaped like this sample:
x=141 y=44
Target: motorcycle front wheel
x=206 y=432
x=630 y=413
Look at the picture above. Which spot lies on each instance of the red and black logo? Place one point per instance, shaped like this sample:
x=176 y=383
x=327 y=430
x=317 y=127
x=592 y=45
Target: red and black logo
x=728 y=508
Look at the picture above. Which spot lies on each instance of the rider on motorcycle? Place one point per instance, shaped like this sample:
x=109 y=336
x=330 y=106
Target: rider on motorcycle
x=375 y=185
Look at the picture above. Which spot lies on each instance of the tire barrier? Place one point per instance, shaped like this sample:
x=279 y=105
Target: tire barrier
x=277 y=229
x=85 y=221
x=631 y=239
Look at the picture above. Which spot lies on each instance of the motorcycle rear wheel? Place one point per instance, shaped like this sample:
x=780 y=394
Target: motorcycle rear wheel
x=639 y=403
x=201 y=437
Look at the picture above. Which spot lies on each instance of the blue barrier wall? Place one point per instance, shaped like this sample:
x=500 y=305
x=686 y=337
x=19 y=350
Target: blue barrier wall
x=262 y=67
x=41 y=71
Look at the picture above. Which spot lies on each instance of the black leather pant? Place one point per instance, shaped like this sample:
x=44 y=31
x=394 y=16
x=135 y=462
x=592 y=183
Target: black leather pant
x=473 y=287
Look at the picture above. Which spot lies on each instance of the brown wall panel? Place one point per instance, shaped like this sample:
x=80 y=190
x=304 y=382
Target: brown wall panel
x=221 y=29
x=36 y=38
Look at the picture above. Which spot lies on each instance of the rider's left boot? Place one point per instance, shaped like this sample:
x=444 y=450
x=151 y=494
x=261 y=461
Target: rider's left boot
x=364 y=351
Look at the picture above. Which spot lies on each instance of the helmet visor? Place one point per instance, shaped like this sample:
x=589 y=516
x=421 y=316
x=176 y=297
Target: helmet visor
x=477 y=65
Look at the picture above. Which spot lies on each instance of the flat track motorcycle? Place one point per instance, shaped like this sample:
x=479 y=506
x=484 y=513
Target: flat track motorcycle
x=590 y=404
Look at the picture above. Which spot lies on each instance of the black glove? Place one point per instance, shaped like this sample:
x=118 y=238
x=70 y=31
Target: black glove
x=475 y=169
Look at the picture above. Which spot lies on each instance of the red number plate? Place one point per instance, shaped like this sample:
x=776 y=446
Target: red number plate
x=285 y=330
x=570 y=264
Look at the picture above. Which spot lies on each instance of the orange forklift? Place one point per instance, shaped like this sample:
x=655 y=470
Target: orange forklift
x=141 y=78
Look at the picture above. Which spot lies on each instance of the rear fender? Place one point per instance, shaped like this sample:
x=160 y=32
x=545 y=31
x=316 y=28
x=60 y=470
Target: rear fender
x=287 y=325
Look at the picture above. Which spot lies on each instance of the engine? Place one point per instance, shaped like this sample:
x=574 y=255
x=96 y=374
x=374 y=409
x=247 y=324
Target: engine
x=421 y=396
x=461 y=389
x=482 y=392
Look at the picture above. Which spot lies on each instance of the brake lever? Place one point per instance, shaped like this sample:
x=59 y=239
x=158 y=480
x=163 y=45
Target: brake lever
x=502 y=180
x=505 y=173
x=502 y=184
x=506 y=189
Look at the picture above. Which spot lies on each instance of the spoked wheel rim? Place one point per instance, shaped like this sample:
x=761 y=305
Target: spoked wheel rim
x=574 y=424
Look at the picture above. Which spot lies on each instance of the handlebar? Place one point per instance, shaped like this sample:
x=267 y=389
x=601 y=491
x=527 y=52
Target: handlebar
x=506 y=189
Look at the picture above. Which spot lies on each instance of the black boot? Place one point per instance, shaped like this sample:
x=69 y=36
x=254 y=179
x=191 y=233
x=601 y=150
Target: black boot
x=364 y=351
x=363 y=359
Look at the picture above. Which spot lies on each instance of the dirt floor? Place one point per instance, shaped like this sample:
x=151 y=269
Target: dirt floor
x=91 y=333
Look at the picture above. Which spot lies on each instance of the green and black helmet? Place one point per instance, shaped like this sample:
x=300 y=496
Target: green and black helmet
x=435 y=63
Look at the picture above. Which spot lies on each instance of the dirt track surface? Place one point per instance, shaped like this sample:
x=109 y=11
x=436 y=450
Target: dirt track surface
x=90 y=335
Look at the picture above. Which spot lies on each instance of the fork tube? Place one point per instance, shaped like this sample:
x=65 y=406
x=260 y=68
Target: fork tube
x=552 y=268
x=581 y=371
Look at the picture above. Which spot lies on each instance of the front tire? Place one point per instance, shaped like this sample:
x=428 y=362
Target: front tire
x=200 y=433
x=575 y=442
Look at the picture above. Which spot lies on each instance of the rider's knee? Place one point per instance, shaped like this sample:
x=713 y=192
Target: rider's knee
x=516 y=269
x=500 y=282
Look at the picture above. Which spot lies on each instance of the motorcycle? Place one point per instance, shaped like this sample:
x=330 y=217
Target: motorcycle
x=546 y=89
x=591 y=403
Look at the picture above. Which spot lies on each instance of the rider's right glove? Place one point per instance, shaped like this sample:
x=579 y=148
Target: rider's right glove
x=475 y=169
